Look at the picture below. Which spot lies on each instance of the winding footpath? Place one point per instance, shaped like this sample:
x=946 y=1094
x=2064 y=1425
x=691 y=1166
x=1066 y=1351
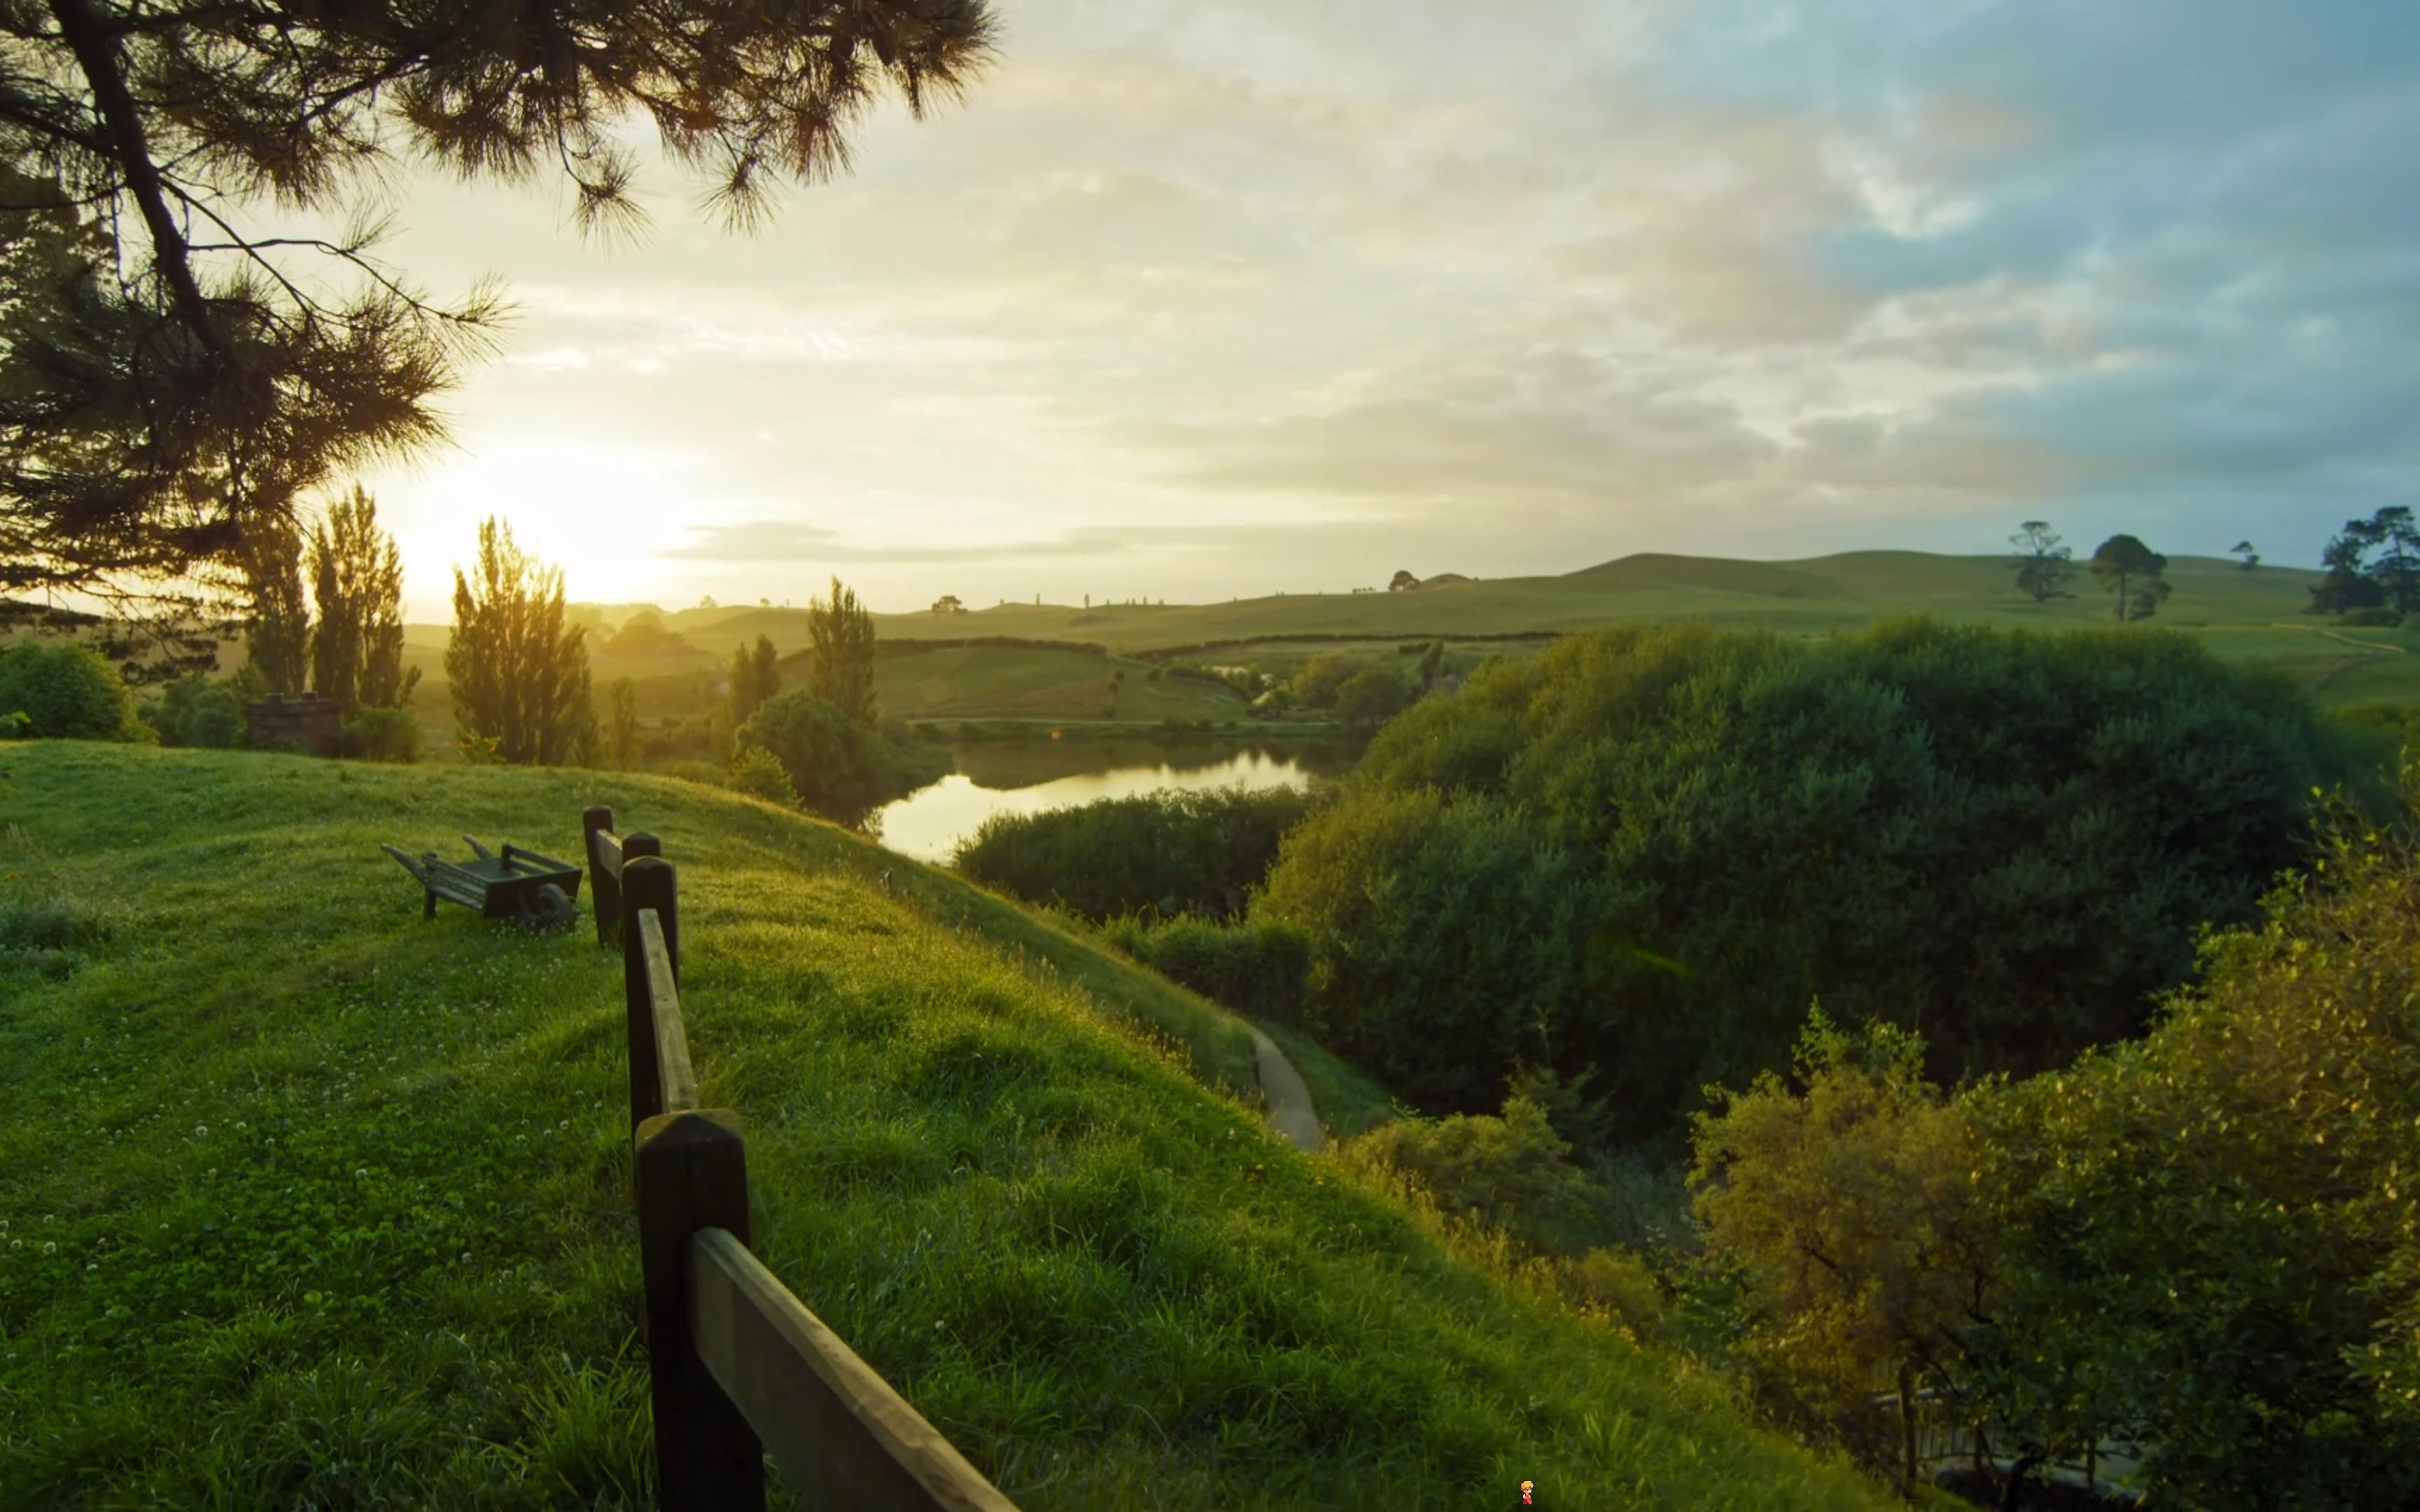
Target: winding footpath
x=1288 y=1100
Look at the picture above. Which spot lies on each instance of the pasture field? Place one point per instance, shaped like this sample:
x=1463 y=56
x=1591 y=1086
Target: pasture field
x=307 y=1201
x=1006 y=683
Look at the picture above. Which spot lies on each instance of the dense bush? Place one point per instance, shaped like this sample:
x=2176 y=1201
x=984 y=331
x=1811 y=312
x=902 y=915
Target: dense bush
x=2205 y=1242
x=1646 y=850
x=196 y=711
x=835 y=765
x=1171 y=852
x=385 y=735
x=758 y=774
x=1259 y=969
x=2372 y=618
x=67 y=692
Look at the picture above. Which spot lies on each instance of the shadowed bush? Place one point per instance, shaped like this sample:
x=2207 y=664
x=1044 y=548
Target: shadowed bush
x=1170 y=852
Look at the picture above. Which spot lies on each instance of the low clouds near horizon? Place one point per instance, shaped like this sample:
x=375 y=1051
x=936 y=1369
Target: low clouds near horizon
x=1188 y=301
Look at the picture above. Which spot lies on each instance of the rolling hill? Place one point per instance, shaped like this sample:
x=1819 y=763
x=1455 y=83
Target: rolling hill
x=307 y=1201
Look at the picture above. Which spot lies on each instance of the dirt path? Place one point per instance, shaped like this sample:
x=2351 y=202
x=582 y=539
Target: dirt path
x=1290 y=1112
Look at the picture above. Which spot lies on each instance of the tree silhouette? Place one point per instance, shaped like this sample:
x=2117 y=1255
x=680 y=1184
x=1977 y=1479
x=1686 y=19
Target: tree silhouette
x=841 y=634
x=518 y=674
x=2244 y=550
x=173 y=370
x=2042 y=565
x=2127 y=567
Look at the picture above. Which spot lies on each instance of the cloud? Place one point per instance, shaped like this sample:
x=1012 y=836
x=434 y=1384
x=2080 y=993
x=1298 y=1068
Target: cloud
x=784 y=542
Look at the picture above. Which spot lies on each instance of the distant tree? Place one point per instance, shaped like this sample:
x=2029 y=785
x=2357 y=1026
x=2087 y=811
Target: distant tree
x=949 y=604
x=2397 y=568
x=622 y=726
x=357 y=579
x=277 y=640
x=643 y=635
x=821 y=748
x=1402 y=582
x=2042 y=565
x=1370 y=698
x=1431 y=659
x=706 y=601
x=2125 y=566
x=2244 y=550
x=518 y=674
x=841 y=634
x=756 y=676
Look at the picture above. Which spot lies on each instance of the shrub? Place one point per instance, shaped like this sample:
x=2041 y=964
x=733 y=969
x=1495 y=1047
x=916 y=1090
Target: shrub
x=1646 y=850
x=813 y=739
x=705 y=774
x=1260 y=968
x=196 y=711
x=2374 y=618
x=756 y=773
x=385 y=735
x=67 y=692
x=1511 y=1172
x=1171 y=852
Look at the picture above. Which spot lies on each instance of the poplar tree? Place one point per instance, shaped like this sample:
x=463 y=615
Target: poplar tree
x=277 y=639
x=519 y=671
x=842 y=633
x=357 y=579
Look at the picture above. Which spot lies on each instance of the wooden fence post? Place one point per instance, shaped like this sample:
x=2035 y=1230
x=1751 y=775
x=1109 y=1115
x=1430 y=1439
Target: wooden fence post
x=604 y=887
x=691 y=1172
x=647 y=882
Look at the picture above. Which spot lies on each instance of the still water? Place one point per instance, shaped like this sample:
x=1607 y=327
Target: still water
x=929 y=822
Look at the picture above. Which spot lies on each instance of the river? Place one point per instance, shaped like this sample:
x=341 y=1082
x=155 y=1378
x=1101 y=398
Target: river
x=1022 y=778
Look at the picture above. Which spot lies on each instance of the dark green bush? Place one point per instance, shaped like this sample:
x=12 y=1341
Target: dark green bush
x=385 y=735
x=837 y=766
x=196 y=711
x=1646 y=852
x=2373 y=618
x=1172 y=852
x=67 y=692
x=1259 y=969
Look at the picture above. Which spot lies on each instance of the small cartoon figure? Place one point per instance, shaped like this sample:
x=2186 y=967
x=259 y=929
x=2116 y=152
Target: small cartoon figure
x=1526 y=1488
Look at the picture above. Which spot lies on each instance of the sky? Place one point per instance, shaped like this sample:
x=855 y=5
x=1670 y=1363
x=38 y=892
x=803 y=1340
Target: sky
x=1200 y=298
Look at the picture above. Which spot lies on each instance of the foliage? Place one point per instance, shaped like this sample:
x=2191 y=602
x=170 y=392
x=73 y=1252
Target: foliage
x=517 y=673
x=840 y=631
x=196 y=711
x=67 y=692
x=2213 y=1235
x=1850 y=1209
x=2043 y=566
x=1511 y=1172
x=1125 y=1291
x=2244 y=549
x=622 y=725
x=1257 y=967
x=357 y=585
x=756 y=676
x=1323 y=677
x=1171 y=852
x=1371 y=697
x=160 y=395
x=278 y=637
x=1402 y=581
x=385 y=735
x=759 y=774
x=1646 y=850
x=2128 y=568
x=2377 y=618
x=823 y=751
x=2371 y=564
x=643 y=635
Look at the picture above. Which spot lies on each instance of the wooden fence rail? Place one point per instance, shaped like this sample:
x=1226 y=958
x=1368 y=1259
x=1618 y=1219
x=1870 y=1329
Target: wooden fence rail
x=736 y=1363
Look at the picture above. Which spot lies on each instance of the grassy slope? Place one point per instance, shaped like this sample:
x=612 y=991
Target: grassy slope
x=308 y=1201
x=2246 y=616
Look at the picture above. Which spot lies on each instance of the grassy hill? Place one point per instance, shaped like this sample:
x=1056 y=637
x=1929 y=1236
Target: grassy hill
x=305 y=1201
x=2247 y=616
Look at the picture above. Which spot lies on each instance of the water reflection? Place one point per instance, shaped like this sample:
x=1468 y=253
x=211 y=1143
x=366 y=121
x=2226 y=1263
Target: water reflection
x=929 y=822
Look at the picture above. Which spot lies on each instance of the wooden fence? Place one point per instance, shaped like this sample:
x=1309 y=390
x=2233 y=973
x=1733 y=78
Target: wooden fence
x=737 y=1366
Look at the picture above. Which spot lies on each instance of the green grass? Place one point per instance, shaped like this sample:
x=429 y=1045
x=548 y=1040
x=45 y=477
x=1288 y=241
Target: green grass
x=308 y=1202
